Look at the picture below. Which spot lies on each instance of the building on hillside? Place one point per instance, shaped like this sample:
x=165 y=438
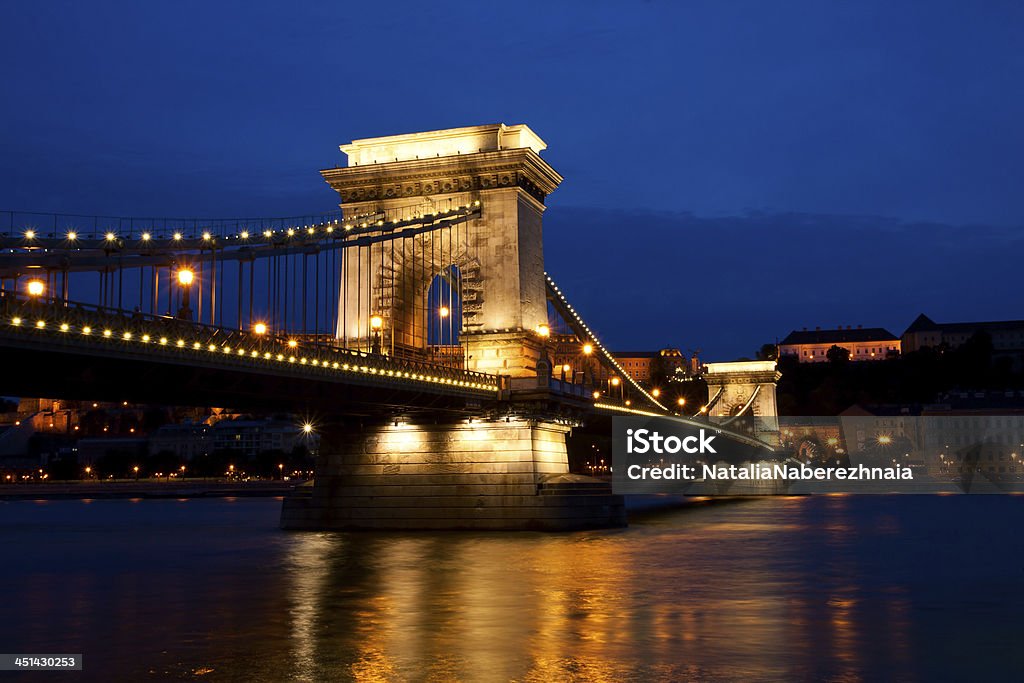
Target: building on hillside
x=863 y=343
x=1007 y=336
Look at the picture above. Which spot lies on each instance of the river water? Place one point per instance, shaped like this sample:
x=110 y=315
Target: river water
x=839 y=588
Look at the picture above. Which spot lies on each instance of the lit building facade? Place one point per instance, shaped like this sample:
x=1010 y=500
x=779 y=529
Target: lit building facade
x=863 y=343
x=640 y=364
x=570 y=358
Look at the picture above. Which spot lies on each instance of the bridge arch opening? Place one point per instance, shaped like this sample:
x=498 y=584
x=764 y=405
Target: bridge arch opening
x=443 y=316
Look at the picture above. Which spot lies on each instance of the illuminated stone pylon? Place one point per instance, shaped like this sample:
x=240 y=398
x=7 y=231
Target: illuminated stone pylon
x=500 y=253
x=439 y=471
x=745 y=389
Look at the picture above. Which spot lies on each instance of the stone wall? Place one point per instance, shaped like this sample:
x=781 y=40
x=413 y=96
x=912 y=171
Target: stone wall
x=481 y=475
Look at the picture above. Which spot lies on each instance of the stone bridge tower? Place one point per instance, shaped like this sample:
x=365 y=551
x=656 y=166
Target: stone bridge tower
x=445 y=471
x=745 y=389
x=500 y=253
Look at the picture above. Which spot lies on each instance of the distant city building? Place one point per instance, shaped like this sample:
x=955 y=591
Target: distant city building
x=187 y=440
x=570 y=361
x=44 y=415
x=863 y=343
x=863 y=425
x=570 y=358
x=88 y=451
x=251 y=437
x=639 y=364
x=977 y=431
x=1007 y=335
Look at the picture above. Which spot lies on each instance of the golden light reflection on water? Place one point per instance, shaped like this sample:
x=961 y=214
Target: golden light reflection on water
x=808 y=588
x=721 y=592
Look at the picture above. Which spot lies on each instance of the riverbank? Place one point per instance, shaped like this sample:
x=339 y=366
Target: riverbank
x=144 y=489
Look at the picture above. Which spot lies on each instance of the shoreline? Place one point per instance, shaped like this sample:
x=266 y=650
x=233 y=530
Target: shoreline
x=145 y=489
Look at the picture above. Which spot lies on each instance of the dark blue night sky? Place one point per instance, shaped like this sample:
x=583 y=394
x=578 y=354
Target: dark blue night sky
x=733 y=170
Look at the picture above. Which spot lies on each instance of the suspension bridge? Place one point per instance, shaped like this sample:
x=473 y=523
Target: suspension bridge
x=414 y=323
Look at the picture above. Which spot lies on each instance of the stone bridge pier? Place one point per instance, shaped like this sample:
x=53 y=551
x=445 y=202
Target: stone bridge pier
x=499 y=475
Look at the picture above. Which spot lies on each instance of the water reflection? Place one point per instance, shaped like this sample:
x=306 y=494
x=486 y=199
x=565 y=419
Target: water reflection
x=769 y=588
x=828 y=587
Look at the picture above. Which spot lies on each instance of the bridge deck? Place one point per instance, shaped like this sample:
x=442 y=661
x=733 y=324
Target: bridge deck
x=88 y=331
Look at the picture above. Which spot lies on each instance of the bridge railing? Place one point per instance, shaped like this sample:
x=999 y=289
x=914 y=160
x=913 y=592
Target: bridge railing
x=89 y=321
x=56 y=226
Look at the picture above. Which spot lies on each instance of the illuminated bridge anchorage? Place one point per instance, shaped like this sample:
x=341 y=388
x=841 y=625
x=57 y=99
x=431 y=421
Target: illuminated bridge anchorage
x=416 y=321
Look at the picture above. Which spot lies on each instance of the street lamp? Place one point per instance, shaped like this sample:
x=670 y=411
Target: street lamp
x=260 y=328
x=565 y=370
x=376 y=324
x=588 y=349
x=136 y=470
x=280 y=469
x=655 y=392
x=442 y=314
x=185 y=278
x=35 y=288
x=543 y=330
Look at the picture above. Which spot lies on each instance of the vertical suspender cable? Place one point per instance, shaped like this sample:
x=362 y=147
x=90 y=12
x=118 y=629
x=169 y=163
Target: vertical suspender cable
x=213 y=288
x=359 y=295
x=239 y=293
x=316 y=296
x=199 y=288
x=252 y=288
